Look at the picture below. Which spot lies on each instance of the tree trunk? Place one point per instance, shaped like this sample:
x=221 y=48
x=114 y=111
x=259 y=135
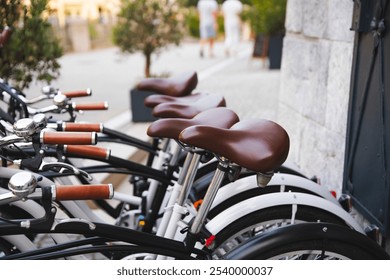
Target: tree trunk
x=148 y=62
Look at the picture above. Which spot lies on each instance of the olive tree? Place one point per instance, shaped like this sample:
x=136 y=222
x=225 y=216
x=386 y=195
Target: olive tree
x=148 y=26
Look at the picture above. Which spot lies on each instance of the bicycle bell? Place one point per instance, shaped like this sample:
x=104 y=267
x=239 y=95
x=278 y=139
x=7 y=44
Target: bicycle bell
x=24 y=127
x=22 y=184
x=60 y=100
x=40 y=120
x=48 y=90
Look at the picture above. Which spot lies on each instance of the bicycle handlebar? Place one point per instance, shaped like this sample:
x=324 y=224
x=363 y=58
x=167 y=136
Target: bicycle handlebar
x=82 y=192
x=65 y=192
x=50 y=93
x=81 y=127
x=68 y=138
x=88 y=151
x=90 y=106
x=23 y=184
x=78 y=93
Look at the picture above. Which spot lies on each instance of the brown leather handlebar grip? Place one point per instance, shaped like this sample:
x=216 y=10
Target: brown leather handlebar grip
x=82 y=127
x=78 y=93
x=68 y=138
x=90 y=106
x=87 y=151
x=4 y=36
x=83 y=192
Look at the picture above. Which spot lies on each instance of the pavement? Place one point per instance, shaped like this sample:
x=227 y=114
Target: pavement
x=249 y=87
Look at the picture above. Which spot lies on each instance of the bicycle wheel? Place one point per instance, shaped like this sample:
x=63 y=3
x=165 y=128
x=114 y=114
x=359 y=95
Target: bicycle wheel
x=255 y=223
x=310 y=241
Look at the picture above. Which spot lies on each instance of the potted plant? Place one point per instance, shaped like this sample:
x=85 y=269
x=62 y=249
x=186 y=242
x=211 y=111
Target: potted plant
x=267 y=19
x=148 y=27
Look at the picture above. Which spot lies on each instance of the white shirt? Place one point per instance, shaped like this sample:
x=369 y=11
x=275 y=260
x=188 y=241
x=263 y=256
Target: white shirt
x=206 y=9
x=231 y=11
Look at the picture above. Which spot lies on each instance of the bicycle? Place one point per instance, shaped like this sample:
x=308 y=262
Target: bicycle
x=192 y=234
x=31 y=125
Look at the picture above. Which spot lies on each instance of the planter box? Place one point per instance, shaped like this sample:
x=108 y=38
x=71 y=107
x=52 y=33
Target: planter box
x=260 y=48
x=270 y=47
x=275 y=51
x=139 y=112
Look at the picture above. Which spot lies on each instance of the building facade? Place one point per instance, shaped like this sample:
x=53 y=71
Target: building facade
x=95 y=10
x=315 y=85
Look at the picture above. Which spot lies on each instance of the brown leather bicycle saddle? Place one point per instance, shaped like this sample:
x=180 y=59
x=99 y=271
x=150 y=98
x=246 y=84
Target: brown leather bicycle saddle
x=188 y=111
x=258 y=145
x=179 y=85
x=153 y=100
x=171 y=128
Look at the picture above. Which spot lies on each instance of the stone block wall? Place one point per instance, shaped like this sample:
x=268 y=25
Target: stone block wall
x=315 y=80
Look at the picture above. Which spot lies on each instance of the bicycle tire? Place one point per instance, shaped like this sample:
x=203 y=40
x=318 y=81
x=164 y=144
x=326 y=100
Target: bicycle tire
x=309 y=241
x=258 y=222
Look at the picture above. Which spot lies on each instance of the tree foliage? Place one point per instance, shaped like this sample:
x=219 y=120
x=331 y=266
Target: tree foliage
x=267 y=16
x=148 y=26
x=32 y=51
x=193 y=3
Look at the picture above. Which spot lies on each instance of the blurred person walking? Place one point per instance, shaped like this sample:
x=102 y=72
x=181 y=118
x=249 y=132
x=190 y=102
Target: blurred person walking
x=232 y=10
x=207 y=10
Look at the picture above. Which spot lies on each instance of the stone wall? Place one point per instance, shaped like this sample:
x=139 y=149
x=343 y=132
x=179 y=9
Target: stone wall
x=315 y=80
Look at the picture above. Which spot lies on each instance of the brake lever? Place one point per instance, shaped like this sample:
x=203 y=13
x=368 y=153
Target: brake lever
x=37 y=163
x=48 y=109
x=8 y=127
x=11 y=139
x=64 y=166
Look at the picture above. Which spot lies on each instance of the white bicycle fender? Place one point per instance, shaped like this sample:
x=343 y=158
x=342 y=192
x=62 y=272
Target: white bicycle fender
x=21 y=242
x=281 y=179
x=253 y=204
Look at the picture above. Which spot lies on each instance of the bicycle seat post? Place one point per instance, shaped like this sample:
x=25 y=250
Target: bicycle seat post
x=222 y=169
x=174 y=209
x=189 y=179
x=174 y=193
